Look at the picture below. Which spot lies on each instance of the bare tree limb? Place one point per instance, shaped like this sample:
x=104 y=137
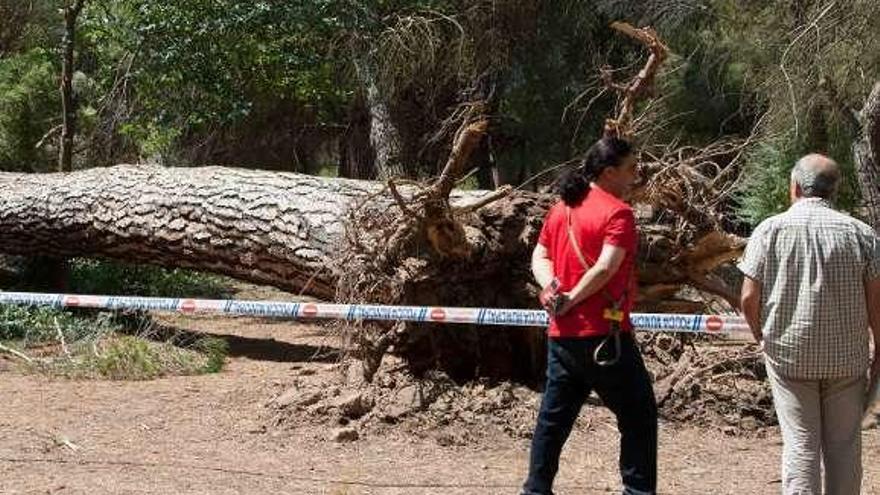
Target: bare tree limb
x=621 y=124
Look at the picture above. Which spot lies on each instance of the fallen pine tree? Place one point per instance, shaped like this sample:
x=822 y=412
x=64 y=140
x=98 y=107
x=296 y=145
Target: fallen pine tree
x=397 y=242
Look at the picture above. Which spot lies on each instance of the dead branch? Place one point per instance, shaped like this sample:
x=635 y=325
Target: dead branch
x=400 y=201
x=665 y=385
x=502 y=192
x=466 y=140
x=621 y=124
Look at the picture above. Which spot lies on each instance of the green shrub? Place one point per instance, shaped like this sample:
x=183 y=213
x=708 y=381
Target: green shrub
x=90 y=276
x=764 y=189
x=29 y=105
x=93 y=345
x=38 y=325
x=215 y=350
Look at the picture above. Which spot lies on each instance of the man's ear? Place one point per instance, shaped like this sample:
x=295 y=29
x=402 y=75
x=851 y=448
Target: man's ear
x=794 y=191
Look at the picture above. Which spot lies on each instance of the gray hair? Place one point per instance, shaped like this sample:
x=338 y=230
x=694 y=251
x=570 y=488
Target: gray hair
x=817 y=176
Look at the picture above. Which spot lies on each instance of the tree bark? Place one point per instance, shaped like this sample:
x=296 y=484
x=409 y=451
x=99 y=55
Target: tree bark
x=295 y=232
x=384 y=136
x=356 y=156
x=269 y=228
x=68 y=99
x=281 y=229
x=866 y=151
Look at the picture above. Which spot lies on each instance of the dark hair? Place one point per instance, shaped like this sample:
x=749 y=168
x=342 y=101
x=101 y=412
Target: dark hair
x=606 y=152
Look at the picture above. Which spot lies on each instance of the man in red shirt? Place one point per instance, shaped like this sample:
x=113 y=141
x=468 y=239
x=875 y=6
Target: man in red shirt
x=585 y=259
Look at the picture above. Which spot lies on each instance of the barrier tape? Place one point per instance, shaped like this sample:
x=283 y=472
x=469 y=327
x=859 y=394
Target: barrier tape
x=651 y=322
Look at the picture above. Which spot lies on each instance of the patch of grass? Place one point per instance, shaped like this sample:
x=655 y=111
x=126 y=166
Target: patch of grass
x=95 y=345
x=129 y=357
x=38 y=325
x=88 y=276
x=215 y=350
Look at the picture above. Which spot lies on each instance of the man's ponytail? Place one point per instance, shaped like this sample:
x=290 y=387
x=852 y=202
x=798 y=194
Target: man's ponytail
x=574 y=186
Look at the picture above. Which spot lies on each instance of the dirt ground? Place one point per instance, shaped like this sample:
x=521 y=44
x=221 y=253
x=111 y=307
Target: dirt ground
x=214 y=434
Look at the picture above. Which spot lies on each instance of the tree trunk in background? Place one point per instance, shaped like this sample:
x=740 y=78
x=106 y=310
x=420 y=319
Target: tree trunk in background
x=356 y=156
x=57 y=269
x=384 y=135
x=866 y=151
x=68 y=98
x=488 y=176
x=487 y=90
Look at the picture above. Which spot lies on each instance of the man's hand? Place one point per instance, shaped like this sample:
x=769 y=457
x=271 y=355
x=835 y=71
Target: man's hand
x=750 y=303
x=872 y=300
x=565 y=304
x=552 y=300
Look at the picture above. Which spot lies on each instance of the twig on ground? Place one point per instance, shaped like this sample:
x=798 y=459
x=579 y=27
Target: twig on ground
x=15 y=353
x=61 y=338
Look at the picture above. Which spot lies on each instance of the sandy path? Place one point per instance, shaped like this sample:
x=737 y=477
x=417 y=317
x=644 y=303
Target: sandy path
x=205 y=435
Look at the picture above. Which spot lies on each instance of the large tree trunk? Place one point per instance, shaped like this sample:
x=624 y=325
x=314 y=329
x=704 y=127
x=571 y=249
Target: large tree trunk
x=866 y=151
x=296 y=232
x=287 y=230
x=270 y=228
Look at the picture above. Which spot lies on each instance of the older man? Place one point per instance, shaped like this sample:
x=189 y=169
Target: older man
x=811 y=291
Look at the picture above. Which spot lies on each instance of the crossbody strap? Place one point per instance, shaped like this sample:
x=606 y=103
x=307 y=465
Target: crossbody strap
x=614 y=315
x=615 y=302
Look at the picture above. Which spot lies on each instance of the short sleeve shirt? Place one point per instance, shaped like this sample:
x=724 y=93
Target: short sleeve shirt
x=812 y=263
x=601 y=218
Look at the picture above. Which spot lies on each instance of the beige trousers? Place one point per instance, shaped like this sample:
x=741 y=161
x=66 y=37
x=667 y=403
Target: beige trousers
x=821 y=425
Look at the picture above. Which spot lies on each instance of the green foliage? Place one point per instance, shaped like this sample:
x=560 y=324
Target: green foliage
x=88 y=345
x=547 y=74
x=29 y=103
x=132 y=358
x=797 y=68
x=110 y=278
x=27 y=25
x=37 y=325
x=127 y=357
x=765 y=188
x=208 y=63
x=215 y=351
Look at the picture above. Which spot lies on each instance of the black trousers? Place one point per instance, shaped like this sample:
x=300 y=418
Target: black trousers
x=625 y=388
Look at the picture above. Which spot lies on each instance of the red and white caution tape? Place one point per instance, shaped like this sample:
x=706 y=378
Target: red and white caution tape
x=651 y=322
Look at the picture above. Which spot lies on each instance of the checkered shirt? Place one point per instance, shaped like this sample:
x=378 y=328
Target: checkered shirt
x=812 y=262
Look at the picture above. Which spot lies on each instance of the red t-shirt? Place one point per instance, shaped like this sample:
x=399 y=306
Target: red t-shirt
x=601 y=218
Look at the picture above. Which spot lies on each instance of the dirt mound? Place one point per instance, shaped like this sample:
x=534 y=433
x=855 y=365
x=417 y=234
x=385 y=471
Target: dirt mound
x=432 y=406
x=696 y=382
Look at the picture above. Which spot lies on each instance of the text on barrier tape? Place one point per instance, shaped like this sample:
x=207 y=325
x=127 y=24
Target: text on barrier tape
x=655 y=322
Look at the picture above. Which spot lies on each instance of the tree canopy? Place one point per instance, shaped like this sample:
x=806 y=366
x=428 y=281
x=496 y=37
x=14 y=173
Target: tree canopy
x=301 y=85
